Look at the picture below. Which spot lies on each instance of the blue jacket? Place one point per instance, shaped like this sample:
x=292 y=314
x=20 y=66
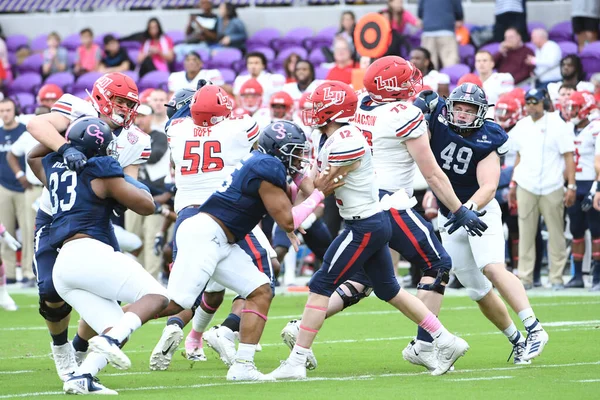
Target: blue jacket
x=440 y=15
x=235 y=30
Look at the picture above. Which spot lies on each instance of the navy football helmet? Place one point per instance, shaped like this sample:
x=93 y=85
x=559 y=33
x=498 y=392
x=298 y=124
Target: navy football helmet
x=91 y=136
x=465 y=122
x=178 y=100
x=285 y=141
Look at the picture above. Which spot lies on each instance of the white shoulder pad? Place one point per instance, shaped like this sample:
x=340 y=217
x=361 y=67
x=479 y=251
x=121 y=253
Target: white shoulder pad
x=73 y=107
x=249 y=126
x=133 y=146
x=347 y=146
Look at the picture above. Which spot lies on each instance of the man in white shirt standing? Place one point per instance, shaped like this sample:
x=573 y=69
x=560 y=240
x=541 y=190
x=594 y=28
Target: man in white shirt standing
x=256 y=64
x=544 y=145
x=547 y=57
x=494 y=83
x=192 y=73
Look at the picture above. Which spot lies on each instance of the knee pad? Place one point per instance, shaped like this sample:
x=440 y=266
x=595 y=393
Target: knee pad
x=355 y=295
x=54 y=314
x=475 y=282
x=441 y=276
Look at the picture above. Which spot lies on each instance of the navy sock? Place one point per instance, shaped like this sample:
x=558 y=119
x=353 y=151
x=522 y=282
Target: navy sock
x=423 y=335
x=596 y=272
x=61 y=338
x=80 y=344
x=232 y=322
x=176 y=321
x=578 y=269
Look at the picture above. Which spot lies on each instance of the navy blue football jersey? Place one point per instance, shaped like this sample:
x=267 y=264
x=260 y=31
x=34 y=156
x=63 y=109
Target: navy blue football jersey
x=183 y=112
x=75 y=206
x=458 y=156
x=238 y=205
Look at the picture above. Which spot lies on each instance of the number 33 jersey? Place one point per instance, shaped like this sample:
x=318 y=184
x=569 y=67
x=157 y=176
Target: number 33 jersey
x=204 y=158
x=458 y=156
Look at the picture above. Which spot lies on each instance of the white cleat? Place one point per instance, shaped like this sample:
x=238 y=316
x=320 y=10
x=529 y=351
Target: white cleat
x=64 y=360
x=422 y=353
x=193 y=349
x=448 y=355
x=163 y=352
x=288 y=371
x=109 y=348
x=535 y=343
x=7 y=302
x=86 y=384
x=80 y=356
x=246 y=371
x=289 y=334
x=222 y=340
x=517 y=353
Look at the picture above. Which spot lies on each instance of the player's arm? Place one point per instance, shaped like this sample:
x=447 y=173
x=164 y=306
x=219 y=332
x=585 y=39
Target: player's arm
x=12 y=157
x=488 y=176
x=132 y=170
x=34 y=159
x=137 y=200
x=47 y=129
x=437 y=180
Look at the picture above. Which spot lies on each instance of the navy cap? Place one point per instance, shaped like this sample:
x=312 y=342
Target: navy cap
x=535 y=94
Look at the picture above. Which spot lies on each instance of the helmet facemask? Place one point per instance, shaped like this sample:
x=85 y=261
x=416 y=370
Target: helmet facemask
x=477 y=119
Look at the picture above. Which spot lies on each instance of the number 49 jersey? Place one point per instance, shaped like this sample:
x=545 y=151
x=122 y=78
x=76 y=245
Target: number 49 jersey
x=204 y=158
x=458 y=156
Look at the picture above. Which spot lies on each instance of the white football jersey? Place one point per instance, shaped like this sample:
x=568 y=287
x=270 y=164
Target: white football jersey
x=497 y=84
x=387 y=127
x=262 y=116
x=204 y=158
x=587 y=145
x=359 y=197
x=133 y=145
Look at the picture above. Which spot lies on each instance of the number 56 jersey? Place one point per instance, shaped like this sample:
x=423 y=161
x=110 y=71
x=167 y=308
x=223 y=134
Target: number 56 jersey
x=204 y=158
x=459 y=155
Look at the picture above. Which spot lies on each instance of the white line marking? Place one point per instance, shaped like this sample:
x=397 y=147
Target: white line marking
x=483 y=378
x=127 y=373
x=587 y=381
x=26 y=371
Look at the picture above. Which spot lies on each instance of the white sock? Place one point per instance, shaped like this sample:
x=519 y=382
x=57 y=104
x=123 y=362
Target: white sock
x=92 y=364
x=298 y=355
x=528 y=317
x=201 y=320
x=442 y=336
x=513 y=334
x=129 y=323
x=424 y=346
x=245 y=352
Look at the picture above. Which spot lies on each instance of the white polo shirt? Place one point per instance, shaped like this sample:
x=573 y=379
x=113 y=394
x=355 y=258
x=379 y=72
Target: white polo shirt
x=541 y=146
x=179 y=80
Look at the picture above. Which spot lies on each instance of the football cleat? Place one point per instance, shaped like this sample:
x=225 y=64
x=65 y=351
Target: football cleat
x=448 y=355
x=193 y=349
x=422 y=353
x=222 y=340
x=288 y=371
x=6 y=301
x=109 y=348
x=289 y=334
x=161 y=356
x=80 y=356
x=64 y=360
x=246 y=371
x=86 y=384
x=517 y=354
x=535 y=343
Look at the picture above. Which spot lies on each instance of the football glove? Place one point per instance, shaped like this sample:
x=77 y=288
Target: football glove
x=159 y=242
x=74 y=159
x=469 y=219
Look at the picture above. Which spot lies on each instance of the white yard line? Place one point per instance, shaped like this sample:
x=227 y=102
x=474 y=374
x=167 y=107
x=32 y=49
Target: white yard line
x=587 y=381
x=483 y=378
x=26 y=371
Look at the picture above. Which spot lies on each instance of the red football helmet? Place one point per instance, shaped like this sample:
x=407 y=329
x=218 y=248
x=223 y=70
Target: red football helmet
x=508 y=111
x=392 y=78
x=332 y=101
x=110 y=87
x=210 y=106
x=470 y=78
x=49 y=94
x=579 y=106
x=251 y=94
x=279 y=99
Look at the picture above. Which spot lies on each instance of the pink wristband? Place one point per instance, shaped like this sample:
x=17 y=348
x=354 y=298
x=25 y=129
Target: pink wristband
x=294 y=191
x=2 y=229
x=304 y=209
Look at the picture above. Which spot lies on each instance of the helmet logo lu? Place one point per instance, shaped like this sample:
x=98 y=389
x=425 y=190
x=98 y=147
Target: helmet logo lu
x=388 y=84
x=335 y=96
x=94 y=131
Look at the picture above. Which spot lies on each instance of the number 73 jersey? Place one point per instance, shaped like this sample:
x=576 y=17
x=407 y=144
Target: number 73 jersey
x=204 y=158
x=459 y=155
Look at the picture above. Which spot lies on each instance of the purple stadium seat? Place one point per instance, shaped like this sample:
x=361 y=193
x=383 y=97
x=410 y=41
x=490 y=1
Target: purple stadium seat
x=491 y=47
x=467 y=54
x=531 y=46
x=534 y=25
x=268 y=3
x=28 y=82
x=71 y=58
x=563 y=31
x=593 y=47
x=33 y=63
x=321 y=73
x=568 y=48
x=62 y=79
x=132 y=74
x=12 y=59
x=324 y=38
x=316 y=57
x=86 y=81
x=294 y=37
x=82 y=94
x=263 y=37
x=455 y=72
x=38 y=44
x=225 y=58
x=290 y=50
x=71 y=42
x=13 y=42
x=228 y=75
x=590 y=58
x=204 y=54
x=268 y=52
x=176 y=36
x=24 y=99
x=129 y=44
x=330 y=31
x=133 y=55
x=154 y=79
x=99 y=40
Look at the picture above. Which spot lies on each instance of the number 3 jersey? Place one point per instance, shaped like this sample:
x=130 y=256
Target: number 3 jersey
x=74 y=205
x=458 y=156
x=204 y=158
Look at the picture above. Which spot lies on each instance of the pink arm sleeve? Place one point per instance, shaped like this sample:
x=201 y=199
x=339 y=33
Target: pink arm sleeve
x=304 y=209
x=294 y=191
x=2 y=229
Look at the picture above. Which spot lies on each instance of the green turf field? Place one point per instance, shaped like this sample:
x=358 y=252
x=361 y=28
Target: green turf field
x=359 y=354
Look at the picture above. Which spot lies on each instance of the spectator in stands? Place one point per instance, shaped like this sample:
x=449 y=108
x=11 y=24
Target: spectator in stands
x=115 y=57
x=440 y=20
x=4 y=64
x=344 y=63
x=572 y=73
x=88 y=53
x=494 y=83
x=346 y=31
x=512 y=56
x=289 y=67
x=157 y=50
x=192 y=73
x=565 y=91
x=231 y=31
x=256 y=64
x=304 y=80
x=585 y=17
x=510 y=14
x=399 y=19
x=157 y=100
x=546 y=59
x=438 y=82
x=544 y=145
x=55 y=57
x=12 y=203
x=201 y=31
x=595 y=79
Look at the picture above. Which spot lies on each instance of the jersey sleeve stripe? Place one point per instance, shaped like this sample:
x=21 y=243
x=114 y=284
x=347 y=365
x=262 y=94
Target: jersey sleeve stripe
x=336 y=153
x=58 y=106
x=346 y=157
x=410 y=128
x=253 y=132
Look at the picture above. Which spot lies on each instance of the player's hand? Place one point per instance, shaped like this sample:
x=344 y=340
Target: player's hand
x=24 y=182
x=294 y=239
x=586 y=203
x=159 y=242
x=74 y=159
x=469 y=219
x=569 y=198
x=329 y=180
x=427 y=101
x=9 y=240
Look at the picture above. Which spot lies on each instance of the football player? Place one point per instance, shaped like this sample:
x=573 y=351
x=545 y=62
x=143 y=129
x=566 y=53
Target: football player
x=6 y=302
